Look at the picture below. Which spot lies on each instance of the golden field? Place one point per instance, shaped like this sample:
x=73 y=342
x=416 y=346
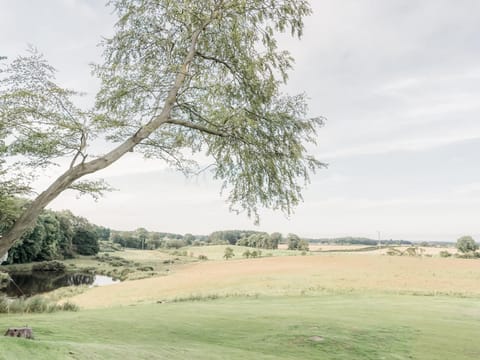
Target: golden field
x=293 y=275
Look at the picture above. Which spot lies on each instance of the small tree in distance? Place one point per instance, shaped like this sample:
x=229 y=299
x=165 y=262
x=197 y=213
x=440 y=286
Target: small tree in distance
x=466 y=244
x=295 y=243
x=228 y=253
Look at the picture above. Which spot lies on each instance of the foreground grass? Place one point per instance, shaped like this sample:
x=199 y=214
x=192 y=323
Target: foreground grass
x=346 y=327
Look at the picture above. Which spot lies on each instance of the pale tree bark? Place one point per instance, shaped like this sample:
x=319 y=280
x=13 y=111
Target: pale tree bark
x=63 y=182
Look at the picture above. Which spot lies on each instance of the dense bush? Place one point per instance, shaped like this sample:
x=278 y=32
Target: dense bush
x=85 y=242
x=174 y=243
x=228 y=253
x=445 y=253
x=295 y=243
x=53 y=238
x=54 y=265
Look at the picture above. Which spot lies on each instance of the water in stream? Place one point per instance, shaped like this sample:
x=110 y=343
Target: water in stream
x=28 y=284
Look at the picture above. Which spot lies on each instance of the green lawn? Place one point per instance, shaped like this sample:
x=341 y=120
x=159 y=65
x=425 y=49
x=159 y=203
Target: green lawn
x=351 y=326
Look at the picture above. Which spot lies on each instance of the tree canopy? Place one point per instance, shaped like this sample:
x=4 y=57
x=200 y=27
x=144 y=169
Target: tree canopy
x=466 y=244
x=178 y=78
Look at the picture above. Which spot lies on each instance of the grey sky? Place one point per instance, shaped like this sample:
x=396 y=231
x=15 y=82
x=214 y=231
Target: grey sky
x=399 y=82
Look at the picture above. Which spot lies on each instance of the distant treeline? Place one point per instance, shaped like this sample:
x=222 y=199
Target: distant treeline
x=60 y=235
x=358 y=241
x=143 y=239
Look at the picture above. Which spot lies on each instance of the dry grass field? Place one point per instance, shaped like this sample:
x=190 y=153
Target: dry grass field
x=434 y=251
x=327 y=247
x=297 y=275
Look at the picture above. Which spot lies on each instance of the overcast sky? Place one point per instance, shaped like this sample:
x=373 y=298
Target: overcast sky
x=398 y=81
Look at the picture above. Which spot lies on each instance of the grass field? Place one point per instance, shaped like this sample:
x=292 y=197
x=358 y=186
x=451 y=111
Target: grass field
x=322 y=306
x=216 y=252
x=296 y=275
x=348 y=326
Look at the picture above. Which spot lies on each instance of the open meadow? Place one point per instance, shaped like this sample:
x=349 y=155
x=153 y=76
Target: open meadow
x=316 y=306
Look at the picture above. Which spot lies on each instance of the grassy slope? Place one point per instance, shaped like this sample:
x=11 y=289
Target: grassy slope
x=353 y=327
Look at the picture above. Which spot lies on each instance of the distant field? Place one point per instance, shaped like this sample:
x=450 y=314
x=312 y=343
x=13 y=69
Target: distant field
x=427 y=250
x=327 y=247
x=215 y=252
x=293 y=275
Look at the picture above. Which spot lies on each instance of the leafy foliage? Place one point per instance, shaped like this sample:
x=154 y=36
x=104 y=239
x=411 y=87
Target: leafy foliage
x=466 y=244
x=56 y=235
x=246 y=238
x=178 y=78
x=295 y=243
x=85 y=242
x=228 y=253
x=230 y=104
x=43 y=121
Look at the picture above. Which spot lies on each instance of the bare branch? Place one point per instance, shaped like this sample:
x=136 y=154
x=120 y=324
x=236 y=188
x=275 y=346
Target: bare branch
x=83 y=145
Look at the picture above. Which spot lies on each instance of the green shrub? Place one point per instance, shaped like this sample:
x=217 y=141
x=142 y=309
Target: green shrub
x=394 y=252
x=445 y=253
x=16 y=306
x=195 y=297
x=68 y=306
x=54 y=265
x=202 y=257
x=145 y=268
x=36 y=304
x=228 y=253
x=174 y=243
x=85 y=242
x=4 y=304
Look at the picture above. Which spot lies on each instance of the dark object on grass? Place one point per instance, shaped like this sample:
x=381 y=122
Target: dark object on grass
x=24 y=332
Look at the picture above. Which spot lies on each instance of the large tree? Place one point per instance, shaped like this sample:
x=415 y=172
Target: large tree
x=178 y=77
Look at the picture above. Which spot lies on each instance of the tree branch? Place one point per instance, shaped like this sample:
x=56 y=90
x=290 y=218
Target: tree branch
x=214 y=59
x=194 y=126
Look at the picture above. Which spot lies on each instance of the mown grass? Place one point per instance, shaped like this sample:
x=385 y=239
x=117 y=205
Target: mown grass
x=318 y=327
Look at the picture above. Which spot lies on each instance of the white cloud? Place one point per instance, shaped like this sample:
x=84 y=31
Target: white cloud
x=468 y=189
